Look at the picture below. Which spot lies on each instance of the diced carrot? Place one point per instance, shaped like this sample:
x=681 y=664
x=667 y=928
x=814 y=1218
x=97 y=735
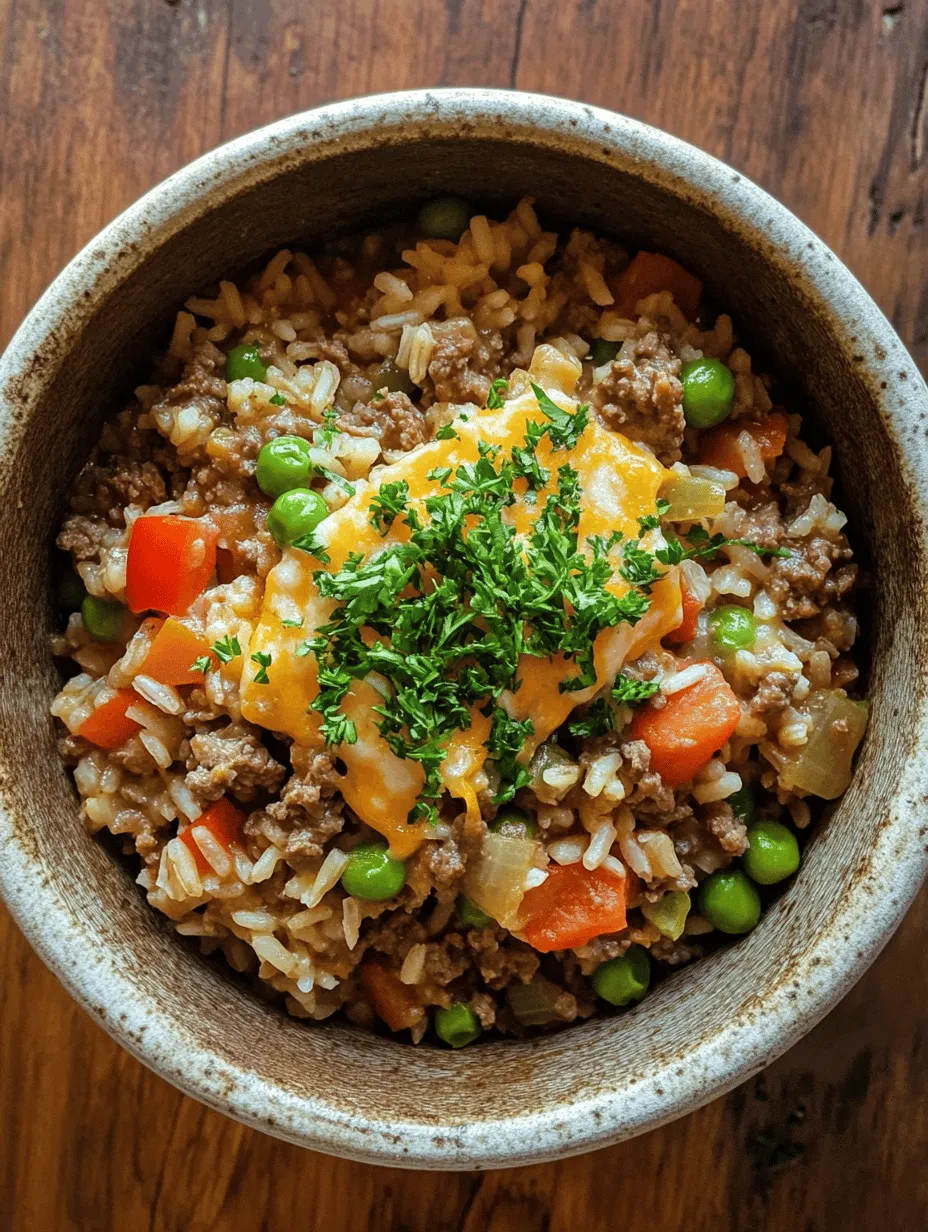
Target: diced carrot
x=649 y=272
x=108 y=727
x=225 y=823
x=687 y=628
x=173 y=649
x=392 y=1000
x=170 y=562
x=719 y=446
x=572 y=906
x=692 y=725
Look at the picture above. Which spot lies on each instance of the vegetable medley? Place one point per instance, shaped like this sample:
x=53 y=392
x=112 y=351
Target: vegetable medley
x=461 y=631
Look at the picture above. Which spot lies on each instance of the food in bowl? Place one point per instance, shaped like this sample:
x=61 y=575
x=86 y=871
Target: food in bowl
x=461 y=629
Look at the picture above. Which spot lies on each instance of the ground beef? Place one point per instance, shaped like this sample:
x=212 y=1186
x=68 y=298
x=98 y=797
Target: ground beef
x=393 y=420
x=500 y=959
x=106 y=490
x=804 y=583
x=674 y=953
x=464 y=361
x=484 y=1007
x=773 y=695
x=724 y=826
x=335 y=351
x=641 y=396
x=309 y=812
x=600 y=949
x=201 y=383
x=446 y=960
x=86 y=538
x=230 y=759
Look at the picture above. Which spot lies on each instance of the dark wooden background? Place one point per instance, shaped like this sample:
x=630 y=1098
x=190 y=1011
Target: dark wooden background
x=825 y=103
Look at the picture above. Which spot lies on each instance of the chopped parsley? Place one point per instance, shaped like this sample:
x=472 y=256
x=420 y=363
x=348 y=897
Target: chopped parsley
x=310 y=543
x=203 y=664
x=346 y=487
x=446 y=433
x=389 y=502
x=507 y=736
x=226 y=649
x=598 y=720
x=599 y=717
x=293 y=624
x=629 y=692
x=565 y=428
x=702 y=544
x=263 y=659
x=497 y=395
x=326 y=437
x=277 y=400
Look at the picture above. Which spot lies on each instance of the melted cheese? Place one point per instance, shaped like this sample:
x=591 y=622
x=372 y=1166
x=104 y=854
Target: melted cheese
x=620 y=482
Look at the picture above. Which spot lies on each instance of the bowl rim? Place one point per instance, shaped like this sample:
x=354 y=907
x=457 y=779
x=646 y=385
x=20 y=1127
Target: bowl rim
x=859 y=924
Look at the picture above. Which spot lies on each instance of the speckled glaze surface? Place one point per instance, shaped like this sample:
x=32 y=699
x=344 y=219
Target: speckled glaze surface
x=331 y=1087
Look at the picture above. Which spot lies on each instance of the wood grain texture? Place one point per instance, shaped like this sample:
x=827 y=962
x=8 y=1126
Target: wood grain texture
x=825 y=103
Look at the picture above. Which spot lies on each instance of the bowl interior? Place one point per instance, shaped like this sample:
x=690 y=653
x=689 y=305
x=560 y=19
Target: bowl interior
x=329 y=1085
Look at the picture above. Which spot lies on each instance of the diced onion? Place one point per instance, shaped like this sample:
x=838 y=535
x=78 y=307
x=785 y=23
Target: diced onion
x=495 y=881
x=692 y=499
x=822 y=766
x=668 y=913
x=534 y=1004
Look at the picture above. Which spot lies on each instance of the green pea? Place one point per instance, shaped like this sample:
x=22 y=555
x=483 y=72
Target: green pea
x=732 y=627
x=245 y=360
x=102 y=618
x=604 y=351
x=457 y=1026
x=730 y=902
x=773 y=854
x=295 y=513
x=393 y=379
x=444 y=218
x=372 y=873
x=623 y=980
x=71 y=590
x=742 y=803
x=511 y=818
x=471 y=915
x=708 y=392
x=283 y=464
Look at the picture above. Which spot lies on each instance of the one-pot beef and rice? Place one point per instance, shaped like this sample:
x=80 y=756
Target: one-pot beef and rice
x=461 y=631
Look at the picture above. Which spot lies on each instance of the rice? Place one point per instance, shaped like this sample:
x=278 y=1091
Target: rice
x=413 y=967
x=684 y=679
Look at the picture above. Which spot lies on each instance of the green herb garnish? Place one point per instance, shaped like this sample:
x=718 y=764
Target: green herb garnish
x=497 y=394
x=629 y=692
x=263 y=659
x=326 y=437
x=226 y=649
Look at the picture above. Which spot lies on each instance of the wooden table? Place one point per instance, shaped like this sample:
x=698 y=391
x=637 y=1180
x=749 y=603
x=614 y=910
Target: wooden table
x=825 y=103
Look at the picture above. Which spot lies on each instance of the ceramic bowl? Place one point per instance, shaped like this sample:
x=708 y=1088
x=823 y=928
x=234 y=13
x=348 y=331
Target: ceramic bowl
x=329 y=1086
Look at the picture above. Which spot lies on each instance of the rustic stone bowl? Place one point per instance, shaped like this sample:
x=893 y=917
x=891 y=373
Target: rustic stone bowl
x=329 y=1086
